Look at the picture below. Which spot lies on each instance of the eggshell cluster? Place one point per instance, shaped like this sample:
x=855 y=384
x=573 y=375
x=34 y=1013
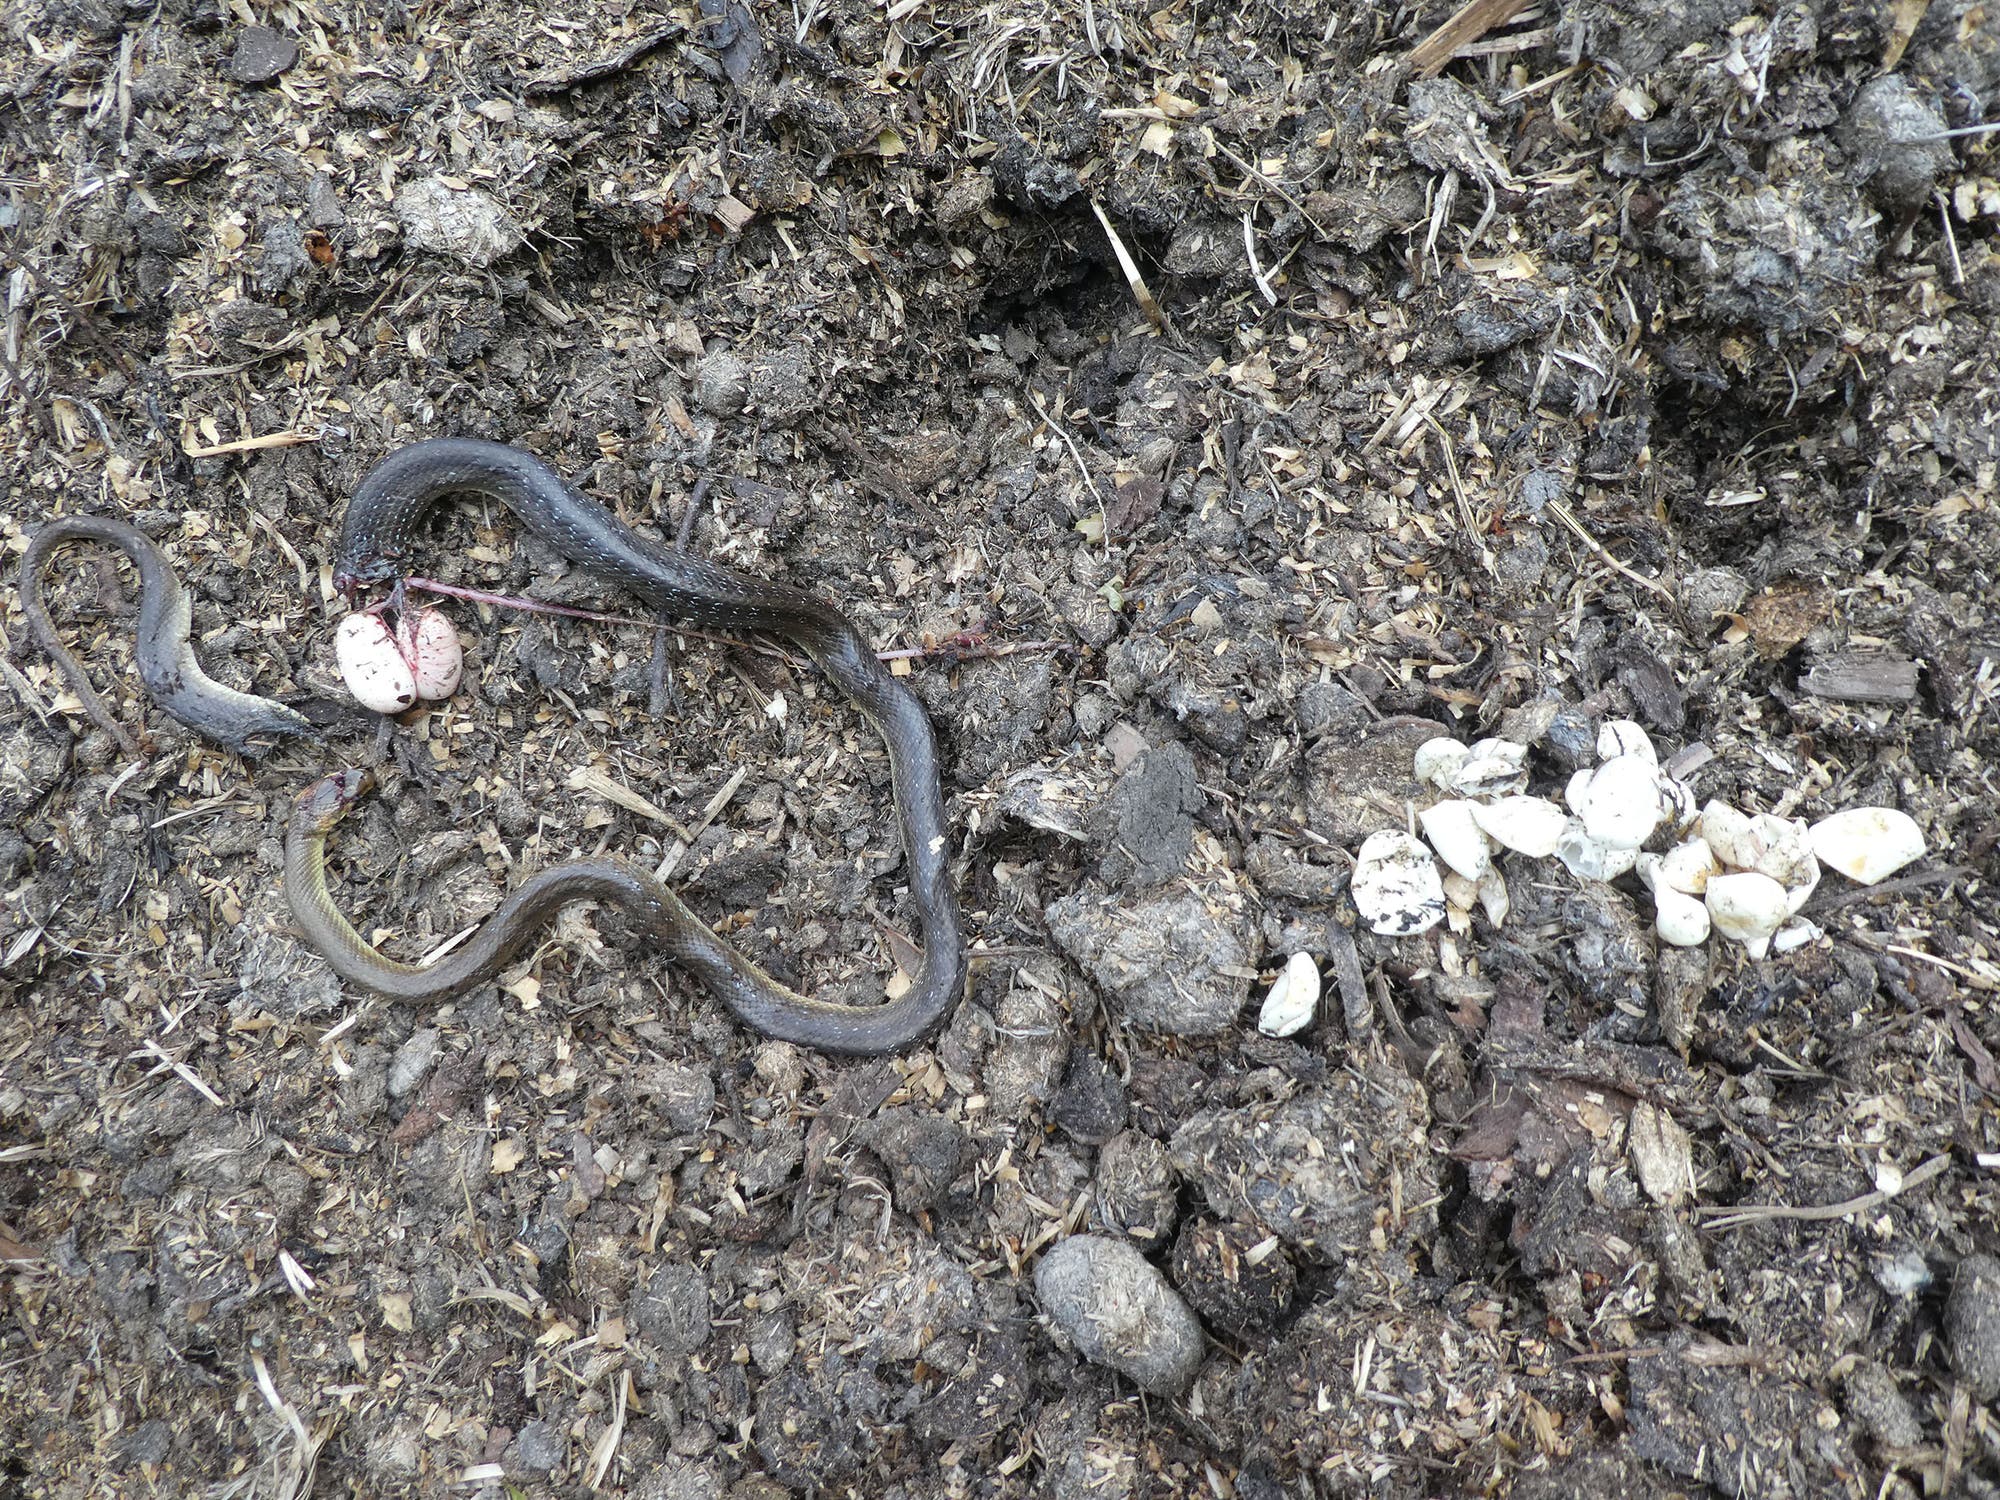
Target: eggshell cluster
x=388 y=670
x=1745 y=876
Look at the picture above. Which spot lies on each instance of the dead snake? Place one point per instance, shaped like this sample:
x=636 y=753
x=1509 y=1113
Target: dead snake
x=166 y=660
x=375 y=539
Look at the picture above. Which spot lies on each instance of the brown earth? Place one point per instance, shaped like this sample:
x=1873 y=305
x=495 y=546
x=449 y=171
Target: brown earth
x=1214 y=405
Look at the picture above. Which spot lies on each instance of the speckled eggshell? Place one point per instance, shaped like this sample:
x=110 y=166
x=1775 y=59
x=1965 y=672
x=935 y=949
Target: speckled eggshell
x=372 y=666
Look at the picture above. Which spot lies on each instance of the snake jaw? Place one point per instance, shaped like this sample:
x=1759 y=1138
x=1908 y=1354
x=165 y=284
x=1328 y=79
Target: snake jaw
x=329 y=799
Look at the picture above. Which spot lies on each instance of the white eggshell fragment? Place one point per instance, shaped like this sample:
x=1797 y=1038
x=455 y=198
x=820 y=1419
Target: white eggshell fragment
x=1688 y=867
x=1867 y=844
x=372 y=666
x=1491 y=768
x=1748 y=907
x=430 y=645
x=1796 y=934
x=1293 y=999
x=1621 y=803
x=1527 y=825
x=1396 y=886
x=1453 y=829
x=1436 y=759
x=1592 y=859
x=1616 y=737
x=1493 y=896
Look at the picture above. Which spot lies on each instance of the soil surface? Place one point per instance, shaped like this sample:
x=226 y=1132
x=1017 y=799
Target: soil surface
x=1210 y=403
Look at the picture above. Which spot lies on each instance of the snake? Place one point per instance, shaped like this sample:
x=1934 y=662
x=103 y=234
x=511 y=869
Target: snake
x=168 y=669
x=377 y=537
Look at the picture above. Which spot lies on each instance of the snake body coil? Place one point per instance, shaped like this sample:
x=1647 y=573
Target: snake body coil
x=376 y=537
x=173 y=678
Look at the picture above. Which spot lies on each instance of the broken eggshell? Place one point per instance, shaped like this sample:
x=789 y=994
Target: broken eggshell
x=372 y=665
x=1867 y=844
x=1436 y=759
x=1293 y=999
x=1748 y=907
x=1689 y=866
x=1528 y=825
x=1616 y=737
x=1592 y=859
x=1491 y=768
x=1395 y=885
x=1453 y=829
x=1622 y=801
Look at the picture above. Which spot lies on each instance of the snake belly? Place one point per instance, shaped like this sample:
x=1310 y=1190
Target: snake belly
x=173 y=678
x=376 y=539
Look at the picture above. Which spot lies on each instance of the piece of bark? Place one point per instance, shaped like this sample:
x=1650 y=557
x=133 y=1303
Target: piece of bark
x=1862 y=677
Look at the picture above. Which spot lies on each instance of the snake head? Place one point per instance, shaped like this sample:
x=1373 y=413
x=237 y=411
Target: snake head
x=330 y=799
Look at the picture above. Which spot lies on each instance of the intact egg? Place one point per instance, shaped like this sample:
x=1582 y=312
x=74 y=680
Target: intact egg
x=430 y=645
x=372 y=665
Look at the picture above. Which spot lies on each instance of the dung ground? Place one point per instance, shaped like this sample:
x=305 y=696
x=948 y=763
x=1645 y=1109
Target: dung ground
x=1209 y=403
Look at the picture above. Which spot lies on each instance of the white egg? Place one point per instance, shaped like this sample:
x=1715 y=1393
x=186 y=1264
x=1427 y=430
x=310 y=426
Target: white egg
x=430 y=645
x=1621 y=804
x=372 y=666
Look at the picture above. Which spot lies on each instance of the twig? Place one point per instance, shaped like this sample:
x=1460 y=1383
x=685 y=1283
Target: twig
x=1731 y=1218
x=1563 y=514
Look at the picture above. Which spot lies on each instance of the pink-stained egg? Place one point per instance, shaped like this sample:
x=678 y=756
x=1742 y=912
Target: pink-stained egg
x=430 y=645
x=372 y=666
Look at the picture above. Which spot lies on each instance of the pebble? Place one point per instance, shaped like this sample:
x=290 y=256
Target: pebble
x=1119 y=1311
x=1748 y=907
x=1396 y=886
x=1867 y=844
x=1528 y=825
x=1294 y=997
x=260 y=55
x=1454 y=832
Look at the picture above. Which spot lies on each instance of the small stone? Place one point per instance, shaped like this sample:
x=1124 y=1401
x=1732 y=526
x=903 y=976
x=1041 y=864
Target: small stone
x=261 y=54
x=1528 y=825
x=1748 y=907
x=1395 y=885
x=1293 y=999
x=1867 y=844
x=1454 y=832
x=1118 y=1310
